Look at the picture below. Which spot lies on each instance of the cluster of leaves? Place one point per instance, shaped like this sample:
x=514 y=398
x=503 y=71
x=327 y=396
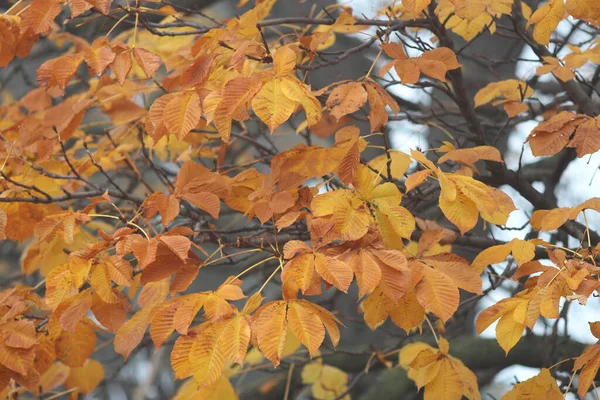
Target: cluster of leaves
x=117 y=260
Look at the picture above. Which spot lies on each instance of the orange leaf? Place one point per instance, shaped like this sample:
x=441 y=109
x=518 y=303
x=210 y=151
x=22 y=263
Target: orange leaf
x=346 y=99
x=73 y=349
x=182 y=114
x=438 y=294
x=306 y=326
x=58 y=71
x=39 y=16
x=334 y=271
x=270 y=325
x=20 y=334
x=149 y=61
x=197 y=73
x=131 y=333
x=85 y=378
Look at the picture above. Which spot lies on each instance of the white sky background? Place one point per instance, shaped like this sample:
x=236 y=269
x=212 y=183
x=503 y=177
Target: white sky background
x=578 y=183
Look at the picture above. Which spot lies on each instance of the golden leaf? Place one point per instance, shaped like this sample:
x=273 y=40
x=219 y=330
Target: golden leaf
x=271 y=104
x=540 y=386
x=546 y=19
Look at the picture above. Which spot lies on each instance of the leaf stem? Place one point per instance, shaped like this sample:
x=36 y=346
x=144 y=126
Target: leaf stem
x=254 y=266
x=432 y=330
x=117 y=218
x=231 y=255
x=272 y=275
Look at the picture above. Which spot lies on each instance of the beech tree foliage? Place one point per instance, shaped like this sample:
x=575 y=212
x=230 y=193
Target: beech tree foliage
x=168 y=144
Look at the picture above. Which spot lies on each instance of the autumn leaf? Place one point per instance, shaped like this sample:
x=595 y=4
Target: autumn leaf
x=522 y=251
x=433 y=63
x=130 y=334
x=541 y=385
x=182 y=113
x=472 y=155
x=99 y=56
x=546 y=19
x=585 y=10
x=85 y=378
x=148 y=61
x=40 y=15
x=325 y=380
x=587 y=137
x=220 y=389
x=554 y=66
x=396 y=162
x=587 y=364
x=59 y=71
x=307 y=322
x=510 y=93
x=551 y=136
x=407 y=313
x=346 y=99
x=73 y=349
x=271 y=104
x=443 y=376
x=508 y=330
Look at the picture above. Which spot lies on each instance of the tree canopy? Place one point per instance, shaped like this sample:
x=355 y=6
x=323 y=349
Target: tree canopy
x=242 y=194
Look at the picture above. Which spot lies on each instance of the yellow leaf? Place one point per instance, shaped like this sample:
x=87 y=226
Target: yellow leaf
x=270 y=325
x=438 y=294
x=472 y=155
x=366 y=270
x=508 y=332
x=443 y=376
x=398 y=164
x=491 y=255
x=284 y=60
x=298 y=92
x=208 y=359
x=416 y=179
x=306 y=326
x=335 y=272
x=546 y=19
x=446 y=385
x=541 y=386
x=85 y=378
x=464 y=276
x=271 y=105
x=102 y=284
x=522 y=250
x=221 y=389
x=234 y=338
x=327 y=382
x=415 y=6
x=462 y=212
x=301 y=269
x=351 y=218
